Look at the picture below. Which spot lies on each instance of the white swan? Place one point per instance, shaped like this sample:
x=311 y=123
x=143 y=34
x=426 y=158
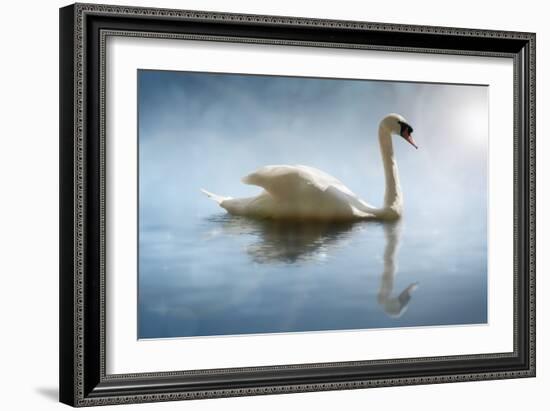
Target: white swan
x=302 y=192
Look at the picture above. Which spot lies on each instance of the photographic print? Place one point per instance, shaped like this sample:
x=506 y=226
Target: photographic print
x=278 y=204
x=261 y=204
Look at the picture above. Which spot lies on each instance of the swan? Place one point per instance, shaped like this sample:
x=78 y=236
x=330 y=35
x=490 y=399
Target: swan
x=306 y=193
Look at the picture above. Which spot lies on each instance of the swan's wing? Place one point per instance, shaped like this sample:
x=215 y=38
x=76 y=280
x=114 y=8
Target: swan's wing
x=323 y=181
x=286 y=182
x=283 y=181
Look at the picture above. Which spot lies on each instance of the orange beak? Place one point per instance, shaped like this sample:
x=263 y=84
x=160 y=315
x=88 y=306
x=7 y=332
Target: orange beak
x=408 y=136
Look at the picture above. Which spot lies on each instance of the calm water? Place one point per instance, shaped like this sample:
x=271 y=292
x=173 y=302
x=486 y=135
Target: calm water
x=224 y=275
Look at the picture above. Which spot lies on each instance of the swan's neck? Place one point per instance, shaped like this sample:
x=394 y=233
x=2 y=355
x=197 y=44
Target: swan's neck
x=393 y=198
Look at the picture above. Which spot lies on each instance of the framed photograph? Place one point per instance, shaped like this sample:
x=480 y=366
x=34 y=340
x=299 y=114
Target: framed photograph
x=262 y=204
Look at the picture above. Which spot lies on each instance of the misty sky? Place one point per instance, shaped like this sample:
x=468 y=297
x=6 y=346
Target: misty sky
x=200 y=130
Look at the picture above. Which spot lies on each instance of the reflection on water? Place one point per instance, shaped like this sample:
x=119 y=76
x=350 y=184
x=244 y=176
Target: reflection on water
x=289 y=242
x=227 y=275
x=394 y=306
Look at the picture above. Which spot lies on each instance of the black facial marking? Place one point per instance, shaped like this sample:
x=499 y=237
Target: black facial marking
x=405 y=126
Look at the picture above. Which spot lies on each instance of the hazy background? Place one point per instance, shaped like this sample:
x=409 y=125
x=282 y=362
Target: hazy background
x=199 y=130
x=208 y=130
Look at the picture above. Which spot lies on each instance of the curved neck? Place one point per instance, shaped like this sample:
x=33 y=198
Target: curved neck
x=393 y=199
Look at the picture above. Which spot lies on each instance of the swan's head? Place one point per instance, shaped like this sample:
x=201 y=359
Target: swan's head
x=398 y=125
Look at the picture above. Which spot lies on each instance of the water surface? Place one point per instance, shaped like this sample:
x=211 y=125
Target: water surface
x=226 y=275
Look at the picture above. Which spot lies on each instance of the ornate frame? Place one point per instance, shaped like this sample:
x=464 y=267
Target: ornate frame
x=83 y=31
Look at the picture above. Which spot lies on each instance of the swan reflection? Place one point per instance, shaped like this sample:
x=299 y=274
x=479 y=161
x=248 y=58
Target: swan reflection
x=397 y=305
x=278 y=241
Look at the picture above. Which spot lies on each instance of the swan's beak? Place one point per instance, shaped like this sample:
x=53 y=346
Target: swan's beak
x=406 y=134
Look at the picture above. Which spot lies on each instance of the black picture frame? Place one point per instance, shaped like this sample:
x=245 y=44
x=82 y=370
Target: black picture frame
x=83 y=381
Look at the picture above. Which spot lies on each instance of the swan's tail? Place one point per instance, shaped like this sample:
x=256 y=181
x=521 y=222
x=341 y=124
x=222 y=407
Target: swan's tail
x=218 y=199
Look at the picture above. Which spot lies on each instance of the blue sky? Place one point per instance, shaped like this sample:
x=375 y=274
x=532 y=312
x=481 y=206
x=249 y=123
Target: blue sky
x=201 y=130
